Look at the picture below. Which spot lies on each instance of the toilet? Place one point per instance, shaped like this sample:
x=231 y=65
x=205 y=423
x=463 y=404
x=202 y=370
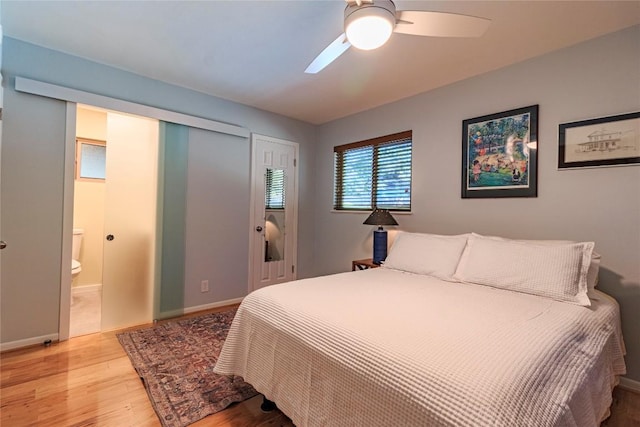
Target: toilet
x=76 y=267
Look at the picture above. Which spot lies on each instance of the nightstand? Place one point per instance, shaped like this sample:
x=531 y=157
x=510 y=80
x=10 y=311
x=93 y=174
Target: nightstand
x=363 y=264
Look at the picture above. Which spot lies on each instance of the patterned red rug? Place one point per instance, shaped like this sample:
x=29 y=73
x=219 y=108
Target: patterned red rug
x=175 y=361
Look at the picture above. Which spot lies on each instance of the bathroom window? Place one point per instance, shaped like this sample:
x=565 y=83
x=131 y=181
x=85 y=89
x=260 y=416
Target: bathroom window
x=91 y=159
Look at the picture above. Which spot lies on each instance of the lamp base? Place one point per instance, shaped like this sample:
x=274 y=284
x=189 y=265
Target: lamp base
x=379 y=246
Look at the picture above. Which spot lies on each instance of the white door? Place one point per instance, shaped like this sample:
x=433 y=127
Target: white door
x=130 y=221
x=274 y=204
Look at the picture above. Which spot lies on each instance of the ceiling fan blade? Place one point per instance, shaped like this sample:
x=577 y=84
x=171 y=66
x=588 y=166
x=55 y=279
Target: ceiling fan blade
x=440 y=24
x=329 y=54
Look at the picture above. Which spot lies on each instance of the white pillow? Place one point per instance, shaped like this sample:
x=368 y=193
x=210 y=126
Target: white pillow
x=594 y=264
x=556 y=271
x=429 y=254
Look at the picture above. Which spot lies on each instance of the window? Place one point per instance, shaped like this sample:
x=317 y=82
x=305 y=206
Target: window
x=274 y=189
x=91 y=159
x=375 y=173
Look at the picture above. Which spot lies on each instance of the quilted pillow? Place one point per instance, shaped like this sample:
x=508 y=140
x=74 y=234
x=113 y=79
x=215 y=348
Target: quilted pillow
x=428 y=254
x=554 y=271
x=594 y=264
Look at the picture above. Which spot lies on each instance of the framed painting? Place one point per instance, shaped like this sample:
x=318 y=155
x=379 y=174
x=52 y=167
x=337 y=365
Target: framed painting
x=606 y=141
x=500 y=154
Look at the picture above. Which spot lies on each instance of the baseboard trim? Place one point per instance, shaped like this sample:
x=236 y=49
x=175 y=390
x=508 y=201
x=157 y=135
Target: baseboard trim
x=629 y=384
x=189 y=310
x=28 y=342
x=170 y=314
x=86 y=288
x=13 y=345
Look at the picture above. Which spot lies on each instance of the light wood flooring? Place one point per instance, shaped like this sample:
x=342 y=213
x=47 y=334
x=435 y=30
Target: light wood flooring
x=89 y=380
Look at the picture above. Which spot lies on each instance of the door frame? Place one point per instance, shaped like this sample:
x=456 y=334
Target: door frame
x=72 y=97
x=67 y=220
x=64 y=324
x=253 y=200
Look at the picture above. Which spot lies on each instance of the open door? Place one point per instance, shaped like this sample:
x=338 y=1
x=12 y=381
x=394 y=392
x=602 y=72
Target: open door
x=274 y=203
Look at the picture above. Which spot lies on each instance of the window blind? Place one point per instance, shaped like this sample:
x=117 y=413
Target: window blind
x=274 y=197
x=374 y=173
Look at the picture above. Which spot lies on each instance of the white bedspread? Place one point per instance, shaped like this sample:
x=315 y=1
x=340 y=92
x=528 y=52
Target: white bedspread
x=385 y=348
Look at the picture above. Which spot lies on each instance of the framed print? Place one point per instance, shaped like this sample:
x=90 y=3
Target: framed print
x=607 y=141
x=499 y=154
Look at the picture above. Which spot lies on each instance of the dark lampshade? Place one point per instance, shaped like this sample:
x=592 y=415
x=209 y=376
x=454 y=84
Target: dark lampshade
x=380 y=217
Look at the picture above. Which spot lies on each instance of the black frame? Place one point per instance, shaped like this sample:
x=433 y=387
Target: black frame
x=517 y=190
x=563 y=145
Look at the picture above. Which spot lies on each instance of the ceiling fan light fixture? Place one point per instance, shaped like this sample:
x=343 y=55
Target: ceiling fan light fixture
x=368 y=24
x=368 y=27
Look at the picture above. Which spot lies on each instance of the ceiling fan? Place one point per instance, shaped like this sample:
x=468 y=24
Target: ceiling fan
x=369 y=23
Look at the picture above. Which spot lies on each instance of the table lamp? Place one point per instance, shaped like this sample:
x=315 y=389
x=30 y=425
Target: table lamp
x=380 y=217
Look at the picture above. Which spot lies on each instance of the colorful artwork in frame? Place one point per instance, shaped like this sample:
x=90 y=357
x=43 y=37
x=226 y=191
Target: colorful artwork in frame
x=606 y=141
x=499 y=154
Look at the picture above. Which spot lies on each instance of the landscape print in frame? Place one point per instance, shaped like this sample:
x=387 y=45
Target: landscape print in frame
x=606 y=141
x=499 y=154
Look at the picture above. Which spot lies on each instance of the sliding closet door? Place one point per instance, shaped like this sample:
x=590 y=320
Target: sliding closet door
x=172 y=205
x=130 y=221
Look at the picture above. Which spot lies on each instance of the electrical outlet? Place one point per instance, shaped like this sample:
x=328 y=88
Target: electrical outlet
x=204 y=286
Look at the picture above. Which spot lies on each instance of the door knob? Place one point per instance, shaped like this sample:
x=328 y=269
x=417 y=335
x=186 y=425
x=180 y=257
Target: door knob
x=109 y=237
x=3 y=244
x=258 y=229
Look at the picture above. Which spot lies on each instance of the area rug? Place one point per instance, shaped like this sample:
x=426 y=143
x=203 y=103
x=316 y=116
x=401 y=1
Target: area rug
x=175 y=361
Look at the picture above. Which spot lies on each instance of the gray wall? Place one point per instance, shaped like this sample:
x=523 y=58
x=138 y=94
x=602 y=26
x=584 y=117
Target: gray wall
x=594 y=79
x=32 y=179
x=217 y=207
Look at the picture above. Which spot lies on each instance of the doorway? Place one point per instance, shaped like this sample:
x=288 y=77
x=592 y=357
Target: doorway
x=274 y=207
x=115 y=195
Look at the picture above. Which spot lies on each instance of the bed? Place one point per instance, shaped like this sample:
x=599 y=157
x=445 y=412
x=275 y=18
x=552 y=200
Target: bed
x=452 y=330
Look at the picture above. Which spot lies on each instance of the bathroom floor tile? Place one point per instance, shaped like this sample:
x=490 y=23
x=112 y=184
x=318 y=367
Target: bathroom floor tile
x=86 y=308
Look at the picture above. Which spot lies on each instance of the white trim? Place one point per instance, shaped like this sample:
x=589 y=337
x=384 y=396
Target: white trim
x=64 y=323
x=212 y=305
x=168 y=314
x=78 y=96
x=13 y=345
x=27 y=342
x=629 y=384
x=252 y=224
x=252 y=205
x=296 y=208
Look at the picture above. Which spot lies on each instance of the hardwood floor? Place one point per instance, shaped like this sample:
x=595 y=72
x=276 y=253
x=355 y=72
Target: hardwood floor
x=625 y=409
x=89 y=380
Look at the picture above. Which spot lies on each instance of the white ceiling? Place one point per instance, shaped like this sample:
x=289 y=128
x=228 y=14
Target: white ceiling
x=255 y=52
